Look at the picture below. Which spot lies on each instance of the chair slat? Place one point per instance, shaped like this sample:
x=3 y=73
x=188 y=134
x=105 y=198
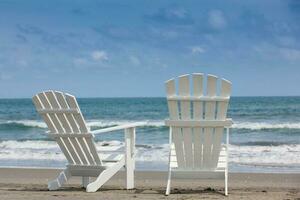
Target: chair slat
x=73 y=128
x=222 y=106
x=45 y=117
x=173 y=105
x=63 y=103
x=86 y=150
x=76 y=149
x=93 y=150
x=78 y=117
x=198 y=147
x=44 y=100
x=198 y=92
x=177 y=139
x=72 y=102
x=60 y=116
x=210 y=109
x=221 y=115
x=87 y=144
x=69 y=145
x=39 y=105
x=174 y=114
x=79 y=142
x=184 y=90
x=198 y=115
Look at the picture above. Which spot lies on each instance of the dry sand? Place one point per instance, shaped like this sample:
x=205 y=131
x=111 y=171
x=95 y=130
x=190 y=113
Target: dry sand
x=31 y=184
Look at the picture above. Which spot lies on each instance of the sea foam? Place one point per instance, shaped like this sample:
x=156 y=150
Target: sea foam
x=108 y=123
x=28 y=151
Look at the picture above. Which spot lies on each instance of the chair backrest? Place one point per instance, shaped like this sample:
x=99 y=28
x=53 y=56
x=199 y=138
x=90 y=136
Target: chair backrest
x=197 y=119
x=67 y=126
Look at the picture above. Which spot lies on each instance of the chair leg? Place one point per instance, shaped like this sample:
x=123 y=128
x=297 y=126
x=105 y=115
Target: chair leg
x=85 y=181
x=104 y=177
x=226 y=182
x=129 y=177
x=168 y=183
x=130 y=157
x=60 y=180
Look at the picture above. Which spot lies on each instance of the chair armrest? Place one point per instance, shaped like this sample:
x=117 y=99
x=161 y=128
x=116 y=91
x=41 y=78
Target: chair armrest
x=120 y=127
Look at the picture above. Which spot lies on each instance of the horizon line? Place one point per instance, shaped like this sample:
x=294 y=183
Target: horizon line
x=119 y=97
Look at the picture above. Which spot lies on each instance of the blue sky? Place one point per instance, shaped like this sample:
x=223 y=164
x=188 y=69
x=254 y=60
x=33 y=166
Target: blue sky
x=129 y=48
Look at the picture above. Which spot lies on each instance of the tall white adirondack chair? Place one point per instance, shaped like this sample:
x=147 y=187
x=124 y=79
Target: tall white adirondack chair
x=197 y=123
x=68 y=128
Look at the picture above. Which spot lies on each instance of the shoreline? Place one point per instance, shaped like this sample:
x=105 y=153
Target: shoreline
x=140 y=170
x=31 y=183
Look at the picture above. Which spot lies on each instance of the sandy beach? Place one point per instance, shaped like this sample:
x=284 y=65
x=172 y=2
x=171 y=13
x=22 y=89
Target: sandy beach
x=32 y=184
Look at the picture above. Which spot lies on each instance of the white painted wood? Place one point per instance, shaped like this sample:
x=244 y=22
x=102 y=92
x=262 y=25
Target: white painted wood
x=87 y=146
x=221 y=162
x=41 y=101
x=174 y=115
x=198 y=147
x=198 y=174
x=171 y=147
x=198 y=115
x=197 y=94
x=67 y=126
x=38 y=104
x=185 y=105
x=197 y=151
x=105 y=176
x=58 y=110
x=129 y=159
x=93 y=151
x=201 y=98
x=221 y=115
x=199 y=123
x=120 y=127
x=57 y=121
x=173 y=105
x=226 y=162
x=78 y=117
x=70 y=126
x=210 y=110
x=70 y=135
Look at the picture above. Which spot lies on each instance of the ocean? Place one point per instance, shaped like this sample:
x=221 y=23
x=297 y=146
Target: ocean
x=265 y=136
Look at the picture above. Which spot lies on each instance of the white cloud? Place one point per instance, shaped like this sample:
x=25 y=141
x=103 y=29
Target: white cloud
x=217 y=19
x=197 y=50
x=134 y=60
x=99 y=55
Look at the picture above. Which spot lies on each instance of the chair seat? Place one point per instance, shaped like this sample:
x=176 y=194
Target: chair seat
x=220 y=167
x=108 y=160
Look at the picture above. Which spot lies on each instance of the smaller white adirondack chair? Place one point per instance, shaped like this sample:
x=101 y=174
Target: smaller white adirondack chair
x=197 y=123
x=67 y=127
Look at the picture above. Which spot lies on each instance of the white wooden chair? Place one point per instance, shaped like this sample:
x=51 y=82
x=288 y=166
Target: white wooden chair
x=197 y=123
x=68 y=128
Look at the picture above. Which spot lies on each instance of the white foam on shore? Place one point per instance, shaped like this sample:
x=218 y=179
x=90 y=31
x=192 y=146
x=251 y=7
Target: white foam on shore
x=25 y=151
x=107 y=123
x=264 y=125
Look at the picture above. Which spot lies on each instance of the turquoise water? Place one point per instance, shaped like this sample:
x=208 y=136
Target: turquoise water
x=265 y=136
